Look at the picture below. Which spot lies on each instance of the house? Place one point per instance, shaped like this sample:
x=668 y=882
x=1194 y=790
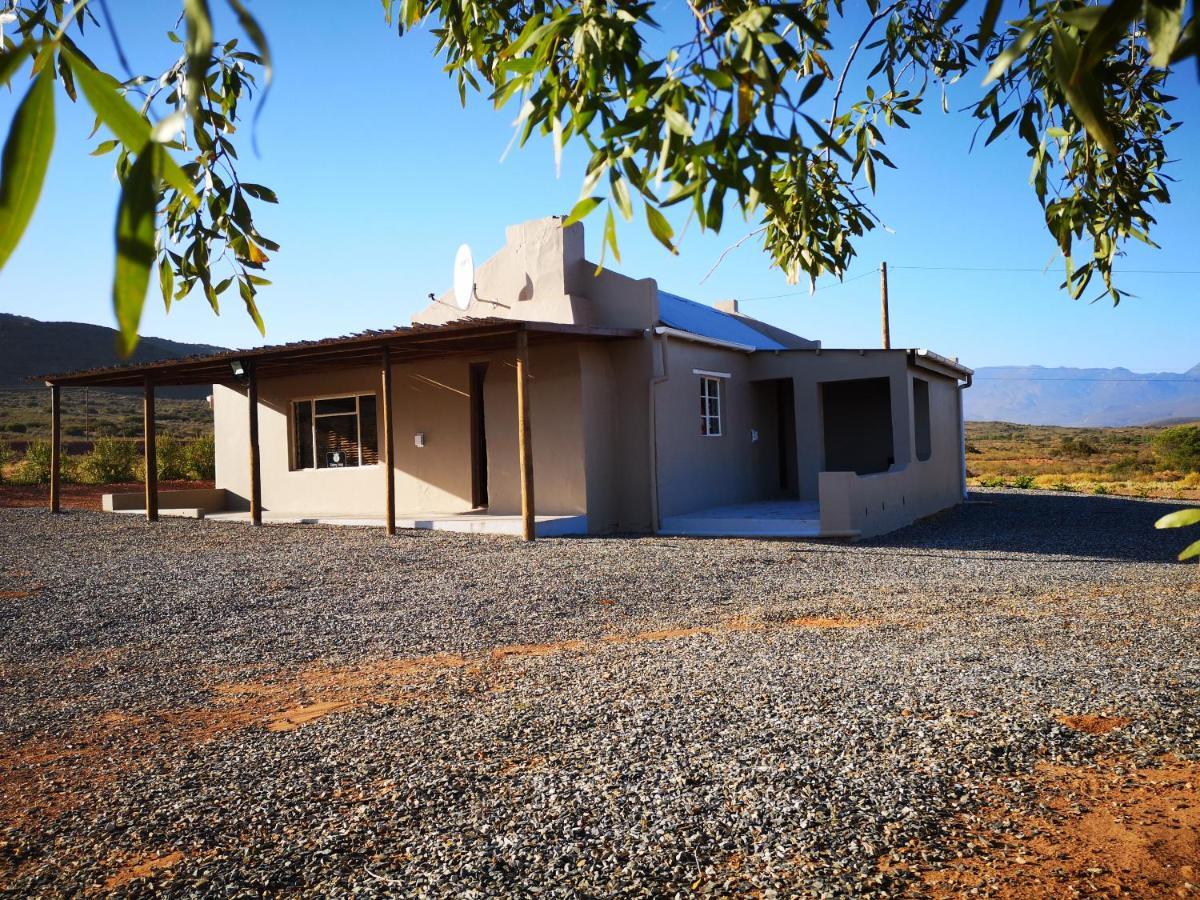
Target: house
x=565 y=399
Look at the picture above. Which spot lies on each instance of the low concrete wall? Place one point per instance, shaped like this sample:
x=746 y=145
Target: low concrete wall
x=876 y=504
x=208 y=500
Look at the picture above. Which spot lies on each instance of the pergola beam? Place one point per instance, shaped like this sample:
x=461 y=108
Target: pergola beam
x=150 y=451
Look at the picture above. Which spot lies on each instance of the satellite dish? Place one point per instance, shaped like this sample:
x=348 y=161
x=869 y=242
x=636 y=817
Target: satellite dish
x=464 y=277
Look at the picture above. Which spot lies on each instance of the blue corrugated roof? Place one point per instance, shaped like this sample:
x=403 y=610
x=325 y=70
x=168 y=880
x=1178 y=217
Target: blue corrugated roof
x=688 y=315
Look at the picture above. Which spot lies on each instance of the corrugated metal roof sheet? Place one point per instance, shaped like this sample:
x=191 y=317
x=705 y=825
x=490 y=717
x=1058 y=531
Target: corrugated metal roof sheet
x=688 y=315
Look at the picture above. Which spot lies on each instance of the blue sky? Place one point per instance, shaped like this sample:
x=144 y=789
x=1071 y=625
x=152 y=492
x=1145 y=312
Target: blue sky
x=382 y=174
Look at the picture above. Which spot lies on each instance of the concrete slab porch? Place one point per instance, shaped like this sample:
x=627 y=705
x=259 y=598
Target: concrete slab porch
x=471 y=522
x=768 y=518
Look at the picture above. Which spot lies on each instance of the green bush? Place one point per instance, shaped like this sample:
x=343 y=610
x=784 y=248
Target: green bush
x=110 y=461
x=995 y=481
x=171 y=456
x=35 y=468
x=1179 y=447
x=1024 y=482
x=200 y=456
x=6 y=457
x=1100 y=489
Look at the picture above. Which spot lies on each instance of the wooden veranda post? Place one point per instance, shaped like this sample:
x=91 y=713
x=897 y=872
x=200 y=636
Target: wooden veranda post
x=255 y=476
x=55 y=447
x=524 y=437
x=385 y=422
x=151 y=454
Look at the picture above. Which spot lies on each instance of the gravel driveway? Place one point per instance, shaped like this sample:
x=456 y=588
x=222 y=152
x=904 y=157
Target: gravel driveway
x=205 y=708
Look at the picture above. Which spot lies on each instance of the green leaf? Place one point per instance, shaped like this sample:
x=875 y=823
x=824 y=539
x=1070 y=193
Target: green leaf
x=11 y=61
x=987 y=23
x=135 y=244
x=660 y=227
x=1164 y=25
x=166 y=281
x=1179 y=519
x=610 y=234
x=950 y=10
x=1190 y=551
x=1012 y=52
x=104 y=147
x=581 y=209
x=1080 y=88
x=24 y=162
x=260 y=192
x=247 y=293
x=198 y=48
x=125 y=122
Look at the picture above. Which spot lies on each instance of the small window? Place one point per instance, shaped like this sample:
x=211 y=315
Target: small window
x=921 y=419
x=335 y=432
x=710 y=407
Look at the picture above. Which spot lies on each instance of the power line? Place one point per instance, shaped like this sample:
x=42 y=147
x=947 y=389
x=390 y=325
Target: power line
x=1043 y=271
x=1019 y=269
x=823 y=287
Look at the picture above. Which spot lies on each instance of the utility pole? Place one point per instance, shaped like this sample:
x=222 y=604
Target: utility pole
x=883 y=296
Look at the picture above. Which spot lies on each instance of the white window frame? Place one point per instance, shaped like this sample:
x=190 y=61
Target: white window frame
x=710 y=381
x=311 y=400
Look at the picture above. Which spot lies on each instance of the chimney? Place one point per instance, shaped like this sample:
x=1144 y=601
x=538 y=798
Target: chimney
x=729 y=306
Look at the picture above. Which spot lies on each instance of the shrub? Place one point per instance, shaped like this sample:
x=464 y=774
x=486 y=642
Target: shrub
x=200 y=456
x=1100 y=489
x=1179 y=447
x=993 y=481
x=1024 y=482
x=35 y=468
x=1062 y=486
x=1076 y=446
x=110 y=461
x=6 y=457
x=171 y=457
x=1191 y=481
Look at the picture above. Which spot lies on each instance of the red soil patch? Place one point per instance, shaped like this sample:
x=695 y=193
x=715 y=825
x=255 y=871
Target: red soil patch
x=142 y=868
x=1090 y=724
x=47 y=775
x=1108 y=829
x=81 y=496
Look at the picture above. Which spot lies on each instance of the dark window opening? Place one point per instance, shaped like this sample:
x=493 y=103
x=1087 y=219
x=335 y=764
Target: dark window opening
x=921 y=429
x=857 y=419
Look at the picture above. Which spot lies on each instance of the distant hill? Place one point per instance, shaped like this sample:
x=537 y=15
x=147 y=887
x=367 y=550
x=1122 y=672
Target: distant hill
x=1035 y=395
x=30 y=347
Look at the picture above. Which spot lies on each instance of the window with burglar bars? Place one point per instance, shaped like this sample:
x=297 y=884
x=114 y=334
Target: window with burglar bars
x=710 y=407
x=335 y=432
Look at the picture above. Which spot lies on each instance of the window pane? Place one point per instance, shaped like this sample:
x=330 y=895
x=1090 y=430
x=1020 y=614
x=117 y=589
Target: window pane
x=302 y=441
x=336 y=405
x=337 y=441
x=368 y=430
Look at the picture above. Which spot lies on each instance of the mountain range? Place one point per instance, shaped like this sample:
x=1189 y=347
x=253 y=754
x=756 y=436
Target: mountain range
x=1031 y=395
x=1036 y=395
x=30 y=347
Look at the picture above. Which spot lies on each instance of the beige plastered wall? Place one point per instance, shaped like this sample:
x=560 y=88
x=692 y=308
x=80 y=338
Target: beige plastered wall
x=588 y=442
x=697 y=471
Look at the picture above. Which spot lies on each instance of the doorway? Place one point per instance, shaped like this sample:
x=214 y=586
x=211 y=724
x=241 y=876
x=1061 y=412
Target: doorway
x=479 y=462
x=775 y=438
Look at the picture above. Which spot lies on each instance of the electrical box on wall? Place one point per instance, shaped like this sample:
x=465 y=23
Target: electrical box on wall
x=419 y=439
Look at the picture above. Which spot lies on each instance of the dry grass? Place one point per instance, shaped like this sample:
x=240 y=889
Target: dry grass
x=1116 y=461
